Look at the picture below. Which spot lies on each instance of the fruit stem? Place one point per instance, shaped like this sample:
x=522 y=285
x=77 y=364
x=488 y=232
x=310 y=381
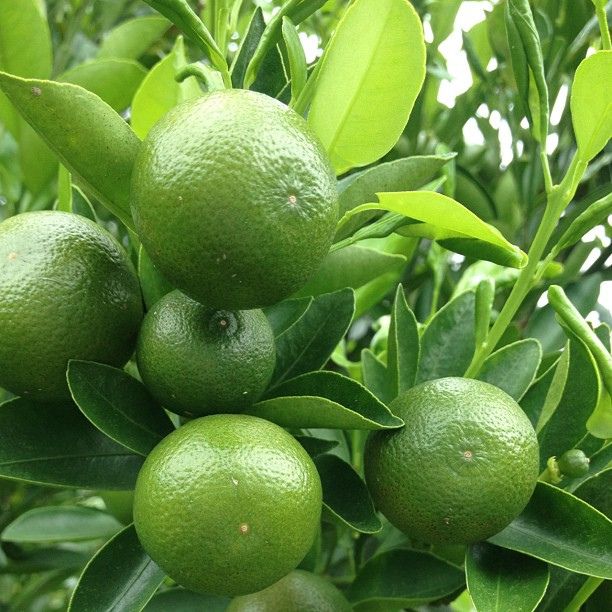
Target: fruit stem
x=558 y=198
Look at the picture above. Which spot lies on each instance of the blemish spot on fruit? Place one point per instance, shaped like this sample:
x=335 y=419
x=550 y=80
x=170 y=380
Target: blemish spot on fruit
x=12 y=256
x=292 y=199
x=36 y=91
x=468 y=454
x=244 y=528
x=234 y=482
x=446 y=520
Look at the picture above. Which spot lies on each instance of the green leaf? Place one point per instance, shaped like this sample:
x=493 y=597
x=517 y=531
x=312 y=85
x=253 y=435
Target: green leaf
x=60 y=524
x=599 y=461
x=55 y=445
x=567 y=424
x=44 y=560
x=182 y=15
x=597 y=491
x=562 y=588
x=181 y=600
x=595 y=214
x=447 y=344
x=154 y=286
x=534 y=400
x=499 y=579
x=114 y=80
x=404 y=174
x=531 y=75
x=521 y=358
x=309 y=342
x=404 y=579
x=371 y=73
x=160 y=92
x=324 y=399
x=316 y=446
x=474 y=195
x=130 y=39
x=120 y=577
x=283 y=315
x=298 y=70
x=249 y=44
x=563 y=530
x=404 y=346
x=118 y=405
x=352 y=266
x=438 y=217
x=87 y=135
x=19 y=22
x=346 y=496
x=591 y=105
x=375 y=376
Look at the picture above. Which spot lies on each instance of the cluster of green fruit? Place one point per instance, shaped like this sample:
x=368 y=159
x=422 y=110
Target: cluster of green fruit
x=235 y=202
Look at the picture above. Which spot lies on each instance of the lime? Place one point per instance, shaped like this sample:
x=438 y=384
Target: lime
x=196 y=360
x=227 y=504
x=234 y=199
x=68 y=291
x=462 y=468
x=119 y=504
x=299 y=591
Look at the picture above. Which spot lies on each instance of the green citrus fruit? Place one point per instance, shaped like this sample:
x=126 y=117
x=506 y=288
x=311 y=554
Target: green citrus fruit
x=234 y=199
x=574 y=463
x=227 y=504
x=299 y=591
x=462 y=468
x=196 y=360
x=68 y=291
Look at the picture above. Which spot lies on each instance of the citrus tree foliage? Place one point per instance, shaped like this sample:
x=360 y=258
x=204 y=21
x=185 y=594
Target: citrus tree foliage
x=456 y=221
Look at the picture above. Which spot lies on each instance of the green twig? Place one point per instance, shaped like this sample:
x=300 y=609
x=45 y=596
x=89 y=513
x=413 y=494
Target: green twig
x=602 y=18
x=558 y=199
x=587 y=589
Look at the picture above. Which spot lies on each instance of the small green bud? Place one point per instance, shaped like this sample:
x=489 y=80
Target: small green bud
x=573 y=463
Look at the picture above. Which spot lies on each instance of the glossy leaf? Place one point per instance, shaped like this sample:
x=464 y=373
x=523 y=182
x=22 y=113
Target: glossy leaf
x=316 y=446
x=120 y=577
x=447 y=344
x=308 y=343
x=160 y=92
x=597 y=491
x=283 y=315
x=371 y=73
x=79 y=127
x=346 y=496
x=375 y=376
x=352 y=266
x=500 y=579
x=405 y=174
x=566 y=426
x=44 y=560
x=180 y=13
x=404 y=346
x=534 y=400
x=130 y=39
x=521 y=358
x=181 y=600
x=591 y=106
x=154 y=286
x=59 y=524
x=528 y=65
x=595 y=214
x=56 y=445
x=438 y=217
x=560 y=528
x=404 y=579
x=324 y=399
x=114 y=80
x=298 y=70
x=249 y=43
x=19 y=22
x=118 y=405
